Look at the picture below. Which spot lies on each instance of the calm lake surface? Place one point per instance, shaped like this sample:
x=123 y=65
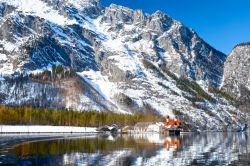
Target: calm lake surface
x=152 y=149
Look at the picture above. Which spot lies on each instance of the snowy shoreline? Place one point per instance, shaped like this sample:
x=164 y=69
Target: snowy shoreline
x=45 y=129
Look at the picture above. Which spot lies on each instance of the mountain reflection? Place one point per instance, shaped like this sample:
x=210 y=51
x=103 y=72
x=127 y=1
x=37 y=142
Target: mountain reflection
x=149 y=149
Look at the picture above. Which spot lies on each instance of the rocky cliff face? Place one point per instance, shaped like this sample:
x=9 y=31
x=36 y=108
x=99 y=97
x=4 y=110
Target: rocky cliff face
x=236 y=77
x=133 y=61
x=162 y=40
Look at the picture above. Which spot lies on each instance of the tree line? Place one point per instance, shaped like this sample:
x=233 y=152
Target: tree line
x=26 y=115
x=56 y=73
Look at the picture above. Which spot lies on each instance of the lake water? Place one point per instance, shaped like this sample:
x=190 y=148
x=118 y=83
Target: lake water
x=151 y=149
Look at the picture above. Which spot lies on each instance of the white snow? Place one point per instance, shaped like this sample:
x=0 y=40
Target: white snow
x=40 y=9
x=143 y=46
x=3 y=57
x=99 y=82
x=203 y=85
x=80 y=4
x=7 y=69
x=114 y=44
x=8 y=46
x=125 y=62
x=161 y=106
x=166 y=56
x=46 y=129
x=102 y=85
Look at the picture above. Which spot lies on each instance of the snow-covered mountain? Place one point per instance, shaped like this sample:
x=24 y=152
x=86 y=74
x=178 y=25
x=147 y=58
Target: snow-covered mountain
x=119 y=60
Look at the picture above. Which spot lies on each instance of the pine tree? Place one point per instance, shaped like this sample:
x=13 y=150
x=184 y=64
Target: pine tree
x=53 y=71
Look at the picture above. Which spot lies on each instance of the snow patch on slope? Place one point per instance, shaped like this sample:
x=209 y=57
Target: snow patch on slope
x=40 y=9
x=99 y=82
x=102 y=85
x=3 y=57
x=46 y=129
x=8 y=46
x=80 y=4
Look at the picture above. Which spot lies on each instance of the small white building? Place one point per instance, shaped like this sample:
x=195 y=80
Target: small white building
x=147 y=127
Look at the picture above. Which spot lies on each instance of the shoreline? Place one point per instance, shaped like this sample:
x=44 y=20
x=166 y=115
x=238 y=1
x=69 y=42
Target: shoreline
x=16 y=129
x=48 y=129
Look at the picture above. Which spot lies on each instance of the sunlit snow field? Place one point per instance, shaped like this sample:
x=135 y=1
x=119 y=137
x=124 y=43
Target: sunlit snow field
x=151 y=149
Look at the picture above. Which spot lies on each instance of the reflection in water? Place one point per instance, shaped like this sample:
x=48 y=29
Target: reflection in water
x=172 y=143
x=151 y=149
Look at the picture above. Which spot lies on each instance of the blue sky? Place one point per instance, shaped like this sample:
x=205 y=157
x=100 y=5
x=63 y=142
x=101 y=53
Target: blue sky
x=221 y=23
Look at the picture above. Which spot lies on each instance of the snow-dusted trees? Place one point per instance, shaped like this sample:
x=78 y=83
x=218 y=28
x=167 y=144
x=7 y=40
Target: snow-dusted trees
x=55 y=74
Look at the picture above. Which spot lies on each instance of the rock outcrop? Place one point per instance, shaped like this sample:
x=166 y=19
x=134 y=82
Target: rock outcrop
x=236 y=75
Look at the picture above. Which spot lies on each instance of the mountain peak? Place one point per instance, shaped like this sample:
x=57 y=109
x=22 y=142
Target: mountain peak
x=119 y=8
x=159 y=13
